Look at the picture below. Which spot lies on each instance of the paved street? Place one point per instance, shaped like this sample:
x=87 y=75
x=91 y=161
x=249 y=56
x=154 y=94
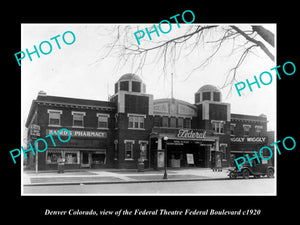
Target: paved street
x=263 y=186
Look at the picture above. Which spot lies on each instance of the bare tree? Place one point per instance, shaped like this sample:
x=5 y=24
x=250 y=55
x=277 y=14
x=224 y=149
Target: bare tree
x=243 y=40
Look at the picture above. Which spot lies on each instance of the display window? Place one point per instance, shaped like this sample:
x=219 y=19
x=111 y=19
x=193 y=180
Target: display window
x=99 y=158
x=71 y=157
x=52 y=157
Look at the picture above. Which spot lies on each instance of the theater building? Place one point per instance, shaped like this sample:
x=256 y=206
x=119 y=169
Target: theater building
x=132 y=128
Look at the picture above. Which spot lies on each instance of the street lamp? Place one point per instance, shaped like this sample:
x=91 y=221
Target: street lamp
x=166 y=144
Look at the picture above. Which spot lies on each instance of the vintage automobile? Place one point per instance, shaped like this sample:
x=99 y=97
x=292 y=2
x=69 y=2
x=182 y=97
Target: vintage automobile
x=256 y=170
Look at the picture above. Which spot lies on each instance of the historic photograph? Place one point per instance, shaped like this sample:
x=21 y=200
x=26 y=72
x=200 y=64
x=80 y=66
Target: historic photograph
x=170 y=108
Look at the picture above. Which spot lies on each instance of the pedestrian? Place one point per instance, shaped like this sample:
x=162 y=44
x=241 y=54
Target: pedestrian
x=218 y=163
x=60 y=164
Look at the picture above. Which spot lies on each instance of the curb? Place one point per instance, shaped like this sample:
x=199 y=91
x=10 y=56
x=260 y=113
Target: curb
x=122 y=182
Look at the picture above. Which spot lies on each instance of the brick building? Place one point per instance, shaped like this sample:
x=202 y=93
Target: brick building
x=132 y=127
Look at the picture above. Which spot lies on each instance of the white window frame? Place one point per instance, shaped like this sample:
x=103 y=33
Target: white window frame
x=80 y=113
x=136 y=118
x=259 y=129
x=248 y=126
x=103 y=115
x=132 y=142
x=49 y=111
x=218 y=126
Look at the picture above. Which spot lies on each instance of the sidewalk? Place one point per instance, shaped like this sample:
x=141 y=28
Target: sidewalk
x=108 y=176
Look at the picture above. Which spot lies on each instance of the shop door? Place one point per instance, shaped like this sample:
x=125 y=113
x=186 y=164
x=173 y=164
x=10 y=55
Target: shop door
x=85 y=159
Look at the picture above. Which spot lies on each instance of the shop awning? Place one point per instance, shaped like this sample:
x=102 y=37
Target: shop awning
x=243 y=152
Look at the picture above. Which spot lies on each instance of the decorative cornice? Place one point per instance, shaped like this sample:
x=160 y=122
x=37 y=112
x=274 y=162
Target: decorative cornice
x=71 y=105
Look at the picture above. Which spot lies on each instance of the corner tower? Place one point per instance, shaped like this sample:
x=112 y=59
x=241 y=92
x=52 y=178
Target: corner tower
x=133 y=121
x=208 y=93
x=214 y=115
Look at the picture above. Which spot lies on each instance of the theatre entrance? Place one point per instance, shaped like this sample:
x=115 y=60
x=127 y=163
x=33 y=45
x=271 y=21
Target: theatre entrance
x=187 y=155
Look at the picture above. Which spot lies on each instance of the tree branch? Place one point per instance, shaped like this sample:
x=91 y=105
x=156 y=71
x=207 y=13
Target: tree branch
x=259 y=43
x=267 y=35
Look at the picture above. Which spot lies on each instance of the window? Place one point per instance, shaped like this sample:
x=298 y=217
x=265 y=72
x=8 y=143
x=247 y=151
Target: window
x=232 y=127
x=129 y=149
x=116 y=88
x=71 y=157
x=205 y=96
x=102 y=120
x=246 y=129
x=180 y=122
x=136 y=86
x=157 y=121
x=52 y=157
x=136 y=121
x=217 y=96
x=258 y=129
x=197 y=97
x=78 y=119
x=99 y=158
x=124 y=85
x=187 y=123
x=172 y=122
x=54 y=117
x=218 y=126
x=165 y=121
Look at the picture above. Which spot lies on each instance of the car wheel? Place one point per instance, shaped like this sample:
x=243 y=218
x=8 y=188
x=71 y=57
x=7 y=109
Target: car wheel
x=270 y=173
x=246 y=174
x=232 y=175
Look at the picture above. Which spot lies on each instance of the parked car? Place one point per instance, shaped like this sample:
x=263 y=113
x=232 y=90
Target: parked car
x=256 y=170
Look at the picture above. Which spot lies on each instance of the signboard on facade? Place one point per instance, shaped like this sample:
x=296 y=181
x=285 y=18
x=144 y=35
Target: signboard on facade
x=160 y=159
x=248 y=139
x=35 y=130
x=190 y=159
x=191 y=134
x=161 y=108
x=79 y=133
x=186 y=110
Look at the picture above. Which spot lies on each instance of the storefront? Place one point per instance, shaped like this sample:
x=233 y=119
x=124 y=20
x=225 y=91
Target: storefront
x=86 y=149
x=242 y=145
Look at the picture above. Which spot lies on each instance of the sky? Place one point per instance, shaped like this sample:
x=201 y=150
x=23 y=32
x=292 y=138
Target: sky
x=76 y=70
